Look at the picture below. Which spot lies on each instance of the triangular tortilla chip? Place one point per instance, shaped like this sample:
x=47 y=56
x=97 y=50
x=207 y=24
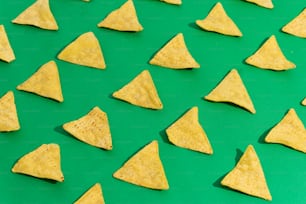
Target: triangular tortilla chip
x=262 y=3
x=176 y=2
x=92 y=196
x=248 y=176
x=218 y=21
x=85 y=50
x=303 y=102
x=141 y=92
x=187 y=132
x=44 y=82
x=43 y=162
x=39 y=15
x=122 y=19
x=93 y=129
x=290 y=131
x=144 y=169
x=231 y=89
x=8 y=113
x=297 y=26
x=6 y=51
x=175 y=55
x=270 y=56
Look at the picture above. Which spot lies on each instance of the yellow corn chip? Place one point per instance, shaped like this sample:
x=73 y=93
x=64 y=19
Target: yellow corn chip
x=290 y=131
x=93 y=196
x=85 y=50
x=144 y=169
x=176 y=2
x=6 y=51
x=175 y=55
x=92 y=129
x=187 y=132
x=304 y=102
x=218 y=21
x=270 y=56
x=8 y=113
x=297 y=26
x=43 y=162
x=262 y=3
x=44 y=82
x=248 y=176
x=141 y=92
x=122 y=19
x=231 y=89
x=39 y=15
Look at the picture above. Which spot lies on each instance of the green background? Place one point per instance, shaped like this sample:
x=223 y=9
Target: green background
x=193 y=177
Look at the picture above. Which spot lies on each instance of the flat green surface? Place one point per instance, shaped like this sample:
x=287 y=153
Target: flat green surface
x=193 y=177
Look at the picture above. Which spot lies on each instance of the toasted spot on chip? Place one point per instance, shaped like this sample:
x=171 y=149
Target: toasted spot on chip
x=290 y=131
x=248 y=176
x=122 y=19
x=231 y=89
x=218 y=21
x=263 y=3
x=144 y=169
x=176 y=2
x=6 y=51
x=175 y=55
x=85 y=50
x=93 y=129
x=303 y=102
x=39 y=15
x=188 y=133
x=94 y=195
x=141 y=92
x=8 y=113
x=297 y=26
x=43 y=162
x=44 y=82
x=270 y=56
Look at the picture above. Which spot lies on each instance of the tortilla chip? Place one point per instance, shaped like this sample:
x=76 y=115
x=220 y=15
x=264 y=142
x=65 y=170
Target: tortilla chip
x=6 y=51
x=85 y=50
x=39 y=15
x=297 y=26
x=270 y=56
x=290 y=131
x=218 y=21
x=122 y=19
x=93 y=129
x=176 y=2
x=263 y=3
x=92 y=196
x=248 y=176
x=144 y=169
x=44 y=162
x=175 y=55
x=8 y=113
x=304 y=102
x=44 y=82
x=231 y=89
x=141 y=92
x=187 y=132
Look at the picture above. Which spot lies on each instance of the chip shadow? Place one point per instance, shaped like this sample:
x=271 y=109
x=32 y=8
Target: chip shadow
x=262 y=137
x=164 y=136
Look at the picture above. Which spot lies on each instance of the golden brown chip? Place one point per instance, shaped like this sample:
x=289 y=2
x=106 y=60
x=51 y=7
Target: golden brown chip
x=270 y=56
x=304 y=102
x=85 y=50
x=93 y=196
x=218 y=21
x=176 y=2
x=141 y=92
x=187 y=132
x=144 y=169
x=8 y=113
x=290 y=131
x=262 y=3
x=175 y=55
x=248 y=176
x=297 y=26
x=122 y=19
x=231 y=89
x=44 y=82
x=43 y=162
x=6 y=51
x=93 y=129
x=39 y=15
